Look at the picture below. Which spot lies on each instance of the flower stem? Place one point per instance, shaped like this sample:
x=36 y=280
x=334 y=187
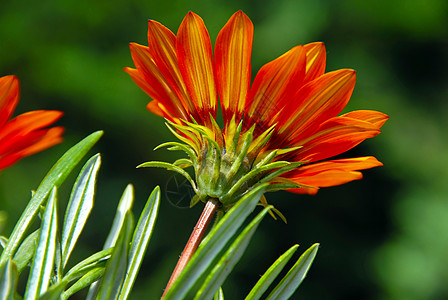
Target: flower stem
x=195 y=239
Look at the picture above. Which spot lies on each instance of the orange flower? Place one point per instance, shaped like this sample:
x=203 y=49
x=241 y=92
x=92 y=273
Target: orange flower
x=25 y=134
x=292 y=102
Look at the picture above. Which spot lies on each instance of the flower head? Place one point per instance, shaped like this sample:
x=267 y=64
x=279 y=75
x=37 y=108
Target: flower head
x=279 y=131
x=25 y=134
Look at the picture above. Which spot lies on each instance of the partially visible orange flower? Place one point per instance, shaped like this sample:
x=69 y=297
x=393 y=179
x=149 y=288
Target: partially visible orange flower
x=291 y=107
x=25 y=134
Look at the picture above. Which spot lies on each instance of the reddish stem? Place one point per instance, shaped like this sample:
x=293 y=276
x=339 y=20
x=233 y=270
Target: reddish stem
x=194 y=240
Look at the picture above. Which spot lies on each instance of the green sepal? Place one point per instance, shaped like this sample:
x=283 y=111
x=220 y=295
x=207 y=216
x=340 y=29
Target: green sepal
x=168 y=166
x=247 y=140
x=194 y=200
x=175 y=146
x=252 y=174
x=183 y=163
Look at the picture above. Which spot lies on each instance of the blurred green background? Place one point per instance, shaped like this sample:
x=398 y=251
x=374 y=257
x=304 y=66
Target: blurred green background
x=384 y=237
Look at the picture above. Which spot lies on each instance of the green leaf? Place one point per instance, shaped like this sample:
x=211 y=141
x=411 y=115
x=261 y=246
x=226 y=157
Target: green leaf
x=230 y=258
x=8 y=280
x=26 y=251
x=269 y=276
x=42 y=265
x=96 y=260
x=86 y=280
x=140 y=241
x=116 y=266
x=54 y=292
x=3 y=218
x=219 y=295
x=3 y=241
x=79 y=206
x=55 y=177
x=125 y=205
x=295 y=276
x=212 y=245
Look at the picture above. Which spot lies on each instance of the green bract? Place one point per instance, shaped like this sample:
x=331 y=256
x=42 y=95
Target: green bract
x=226 y=168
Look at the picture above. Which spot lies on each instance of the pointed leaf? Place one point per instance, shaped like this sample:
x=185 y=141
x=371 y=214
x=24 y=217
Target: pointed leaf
x=79 y=206
x=54 y=292
x=115 y=271
x=96 y=260
x=140 y=241
x=8 y=280
x=42 y=265
x=212 y=245
x=125 y=205
x=26 y=251
x=55 y=177
x=269 y=276
x=219 y=295
x=86 y=280
x=295 y=276
x=3 y=241
x=225 y=265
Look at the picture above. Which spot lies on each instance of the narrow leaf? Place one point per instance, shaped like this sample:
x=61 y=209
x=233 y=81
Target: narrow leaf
x=55 y=177
x=295 y=276
x=115 y=271
x=8 y=280
x=219 y=295
x=86 y=280
x=96 y=260
x=79 y=206
x=212 y=245
x=54 y=292
x=140 y=241
x=230 y=258
x=269 y=276
x=26 y=251
x=3 y=241
x=42 y=265
x=125 y=205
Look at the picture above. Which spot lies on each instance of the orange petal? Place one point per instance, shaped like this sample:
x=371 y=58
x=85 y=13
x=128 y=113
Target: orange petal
x=9 y=97
x=317 y=102
x=157 y=82
x=233 y=50
x=335 y=172
x=275 y=84
x=140 y=81
x=50 y=138
x=374 y=117
x=162 y=48
x=315 y=60
x=30 y=143
x=334 y=137
x=23 y=125
x=305 y=190
x=195 y=56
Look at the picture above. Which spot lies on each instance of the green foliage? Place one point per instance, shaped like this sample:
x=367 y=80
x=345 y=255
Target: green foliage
x=48 y=277
x=111 y=272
